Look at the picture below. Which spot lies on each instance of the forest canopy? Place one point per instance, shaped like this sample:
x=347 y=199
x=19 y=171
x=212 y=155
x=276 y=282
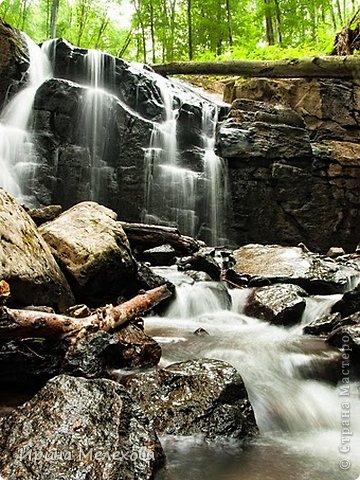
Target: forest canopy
x=153 y=31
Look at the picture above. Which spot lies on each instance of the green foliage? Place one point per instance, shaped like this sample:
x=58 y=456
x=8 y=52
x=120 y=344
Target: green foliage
x=167 y=30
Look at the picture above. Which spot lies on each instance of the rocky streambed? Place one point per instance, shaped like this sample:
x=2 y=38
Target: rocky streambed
x=241 y=360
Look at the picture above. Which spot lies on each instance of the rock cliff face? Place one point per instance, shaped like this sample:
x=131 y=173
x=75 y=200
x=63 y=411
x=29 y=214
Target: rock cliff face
x=293 y=152
x=13 y=59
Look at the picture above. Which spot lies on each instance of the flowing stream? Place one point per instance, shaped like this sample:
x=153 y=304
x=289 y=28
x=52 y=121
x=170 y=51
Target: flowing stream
x=299 y=416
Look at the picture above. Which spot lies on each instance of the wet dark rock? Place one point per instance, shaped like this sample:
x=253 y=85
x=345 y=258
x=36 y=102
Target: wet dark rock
x=29 y=362
x=147 y=279
x=347 y=338
x=202 y=261
x=14 y=60
x=164 y=255
x=45 y=214
x=134 y=349
x=93 y=250
x=131 y=83
x=256 y=130
x=293 y=154
x=262 y=265
x=349 y=304
x=198 y=276
x=195 y=397
x=277 y=304
x=26 y=262
x=324 y=325
x=95 y=353
x=75 y=429
x=201 y=332
x=64 y=174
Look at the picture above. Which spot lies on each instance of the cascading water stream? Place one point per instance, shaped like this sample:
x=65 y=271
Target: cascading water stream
x=18 y=161
x=299 y=416
x=167 y=186
x=171 y=191
x=215 y=170
x=95 y=121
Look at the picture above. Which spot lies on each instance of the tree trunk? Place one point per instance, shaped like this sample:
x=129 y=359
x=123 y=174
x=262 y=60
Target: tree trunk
x=229 y=23
x=190 y=35
x=269 y=23
x=278 y=23
x=33 y=324
x=152 y=31
x=339 y=12
x=307 y=67
x=142 y=237
x=53 y=19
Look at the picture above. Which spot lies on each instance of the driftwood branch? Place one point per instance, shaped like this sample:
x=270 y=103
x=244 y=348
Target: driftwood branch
x=16 y=323
x=307 y=67
x=143 y=237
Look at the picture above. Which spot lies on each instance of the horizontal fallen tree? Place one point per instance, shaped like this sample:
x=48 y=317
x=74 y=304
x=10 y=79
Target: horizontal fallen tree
x=143 y=237
x=17 y=323
x=307 y=67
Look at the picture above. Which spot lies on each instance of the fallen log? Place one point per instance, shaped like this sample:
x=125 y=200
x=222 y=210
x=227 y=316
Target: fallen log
x=306 y=67
x=143 y=237
x=16 y=323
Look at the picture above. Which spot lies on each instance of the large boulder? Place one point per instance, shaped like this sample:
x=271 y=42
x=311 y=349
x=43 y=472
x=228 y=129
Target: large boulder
x=92 y=248
x=277 y=304
x=349 y=304
x=95 y=354
x=79 y=429
x=205 y=397
x=263 y=265
x=14 y=60
x=26 y=260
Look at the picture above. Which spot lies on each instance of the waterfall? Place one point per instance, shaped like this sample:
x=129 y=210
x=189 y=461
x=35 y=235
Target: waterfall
x=299 y=415
x=168 y=187
x=95 y=119
x=172 y=191
x=18 y=159
x=215 y=169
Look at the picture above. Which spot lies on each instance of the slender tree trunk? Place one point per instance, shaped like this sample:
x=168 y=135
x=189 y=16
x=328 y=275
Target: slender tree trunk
x=229 y=22
x=190 y=34
x=333 y=16
x=103 y=26
x=278 y=22
x=53 y=19
x=172 y=28
x=269 y=23
x=338 y=6
x=24 y=14
x=152 y=30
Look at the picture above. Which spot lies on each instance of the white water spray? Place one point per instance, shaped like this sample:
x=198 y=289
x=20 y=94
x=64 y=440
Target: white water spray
x=18 y=160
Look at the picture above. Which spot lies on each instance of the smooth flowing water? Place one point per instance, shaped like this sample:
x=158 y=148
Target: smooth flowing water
x=216 y=176
x=95 y=119
x=18 y=159
x=172 y=191
x=299 y=416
